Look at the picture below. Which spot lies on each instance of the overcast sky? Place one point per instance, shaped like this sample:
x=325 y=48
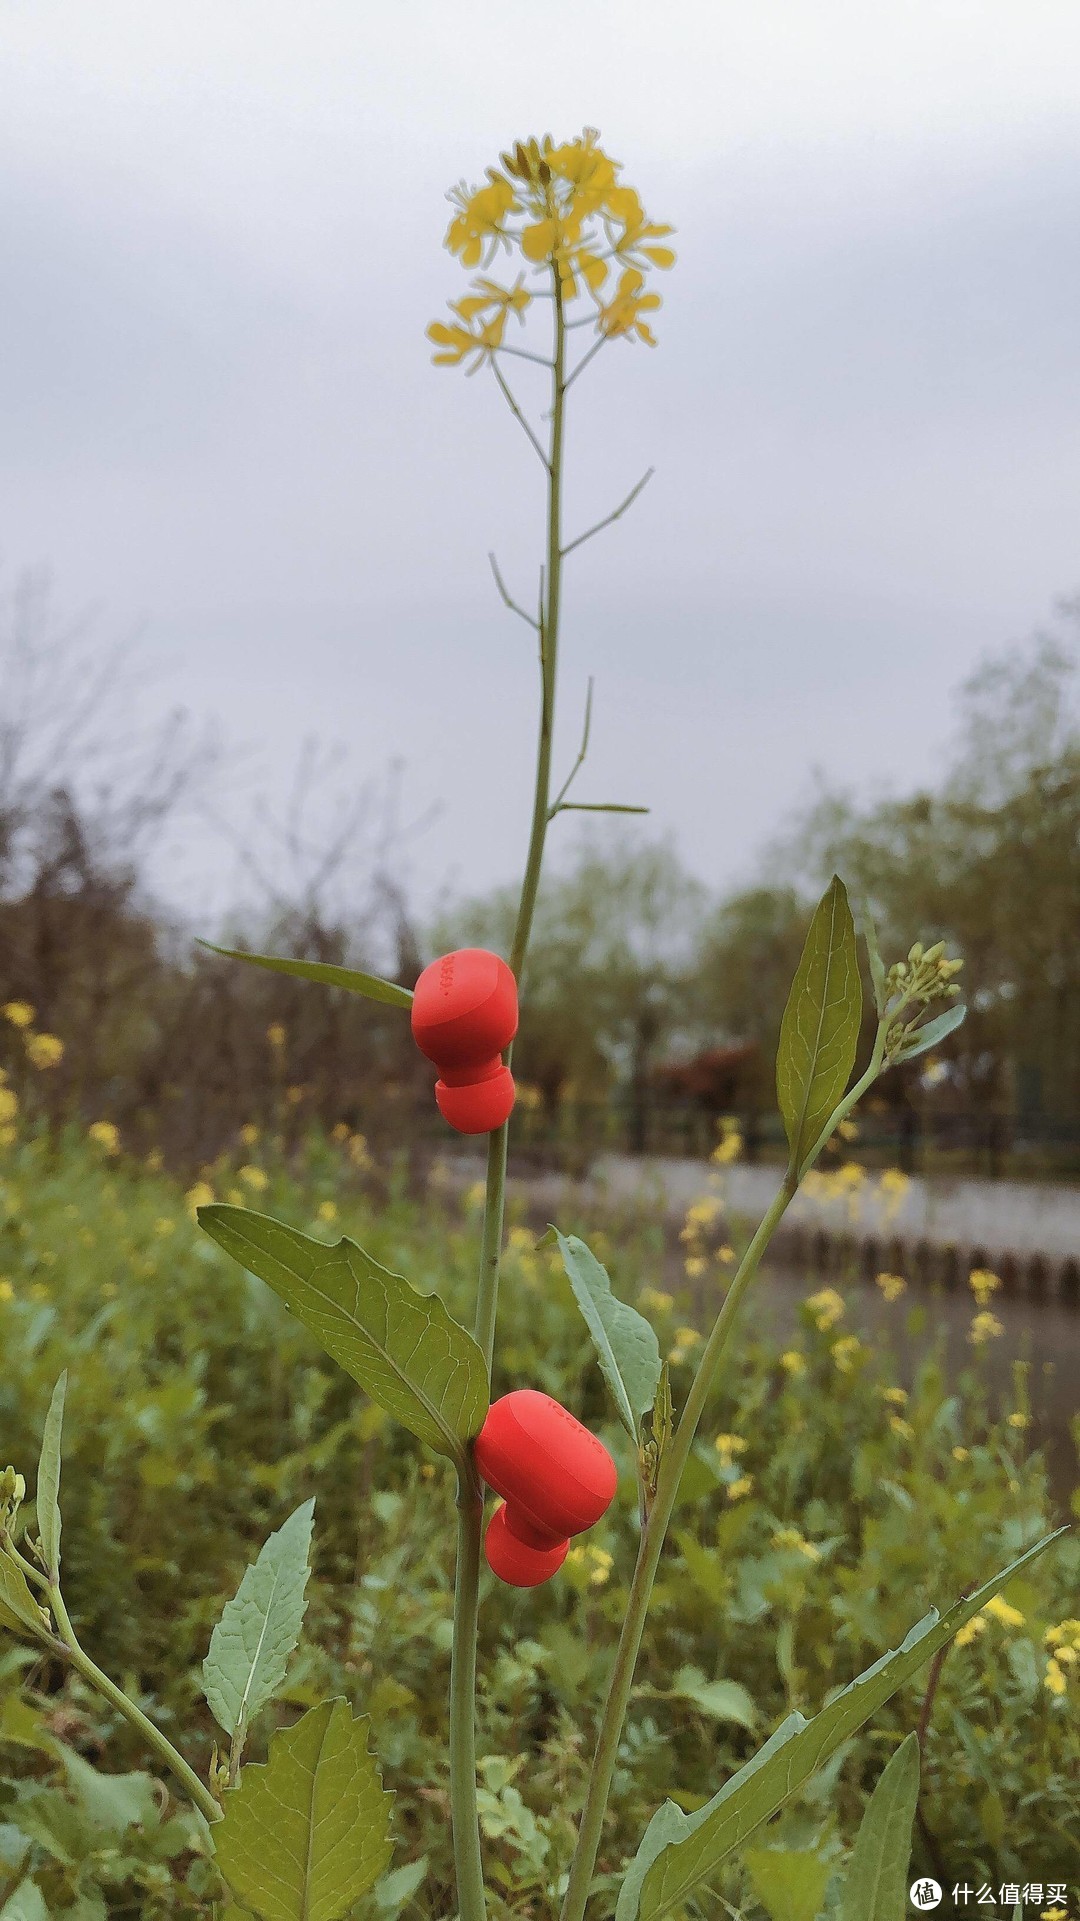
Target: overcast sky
x=222 y=230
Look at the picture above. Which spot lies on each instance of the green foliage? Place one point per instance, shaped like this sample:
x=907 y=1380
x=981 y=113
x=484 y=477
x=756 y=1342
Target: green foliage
x=678 y=1851
x=820 y=1029
x=625 y=1343
x=18 y=1609
x=402 y=1347
x=47 y=1491
x=875 y=1886
x=789 y=1882
x=305 y=1835
x=370 y=985
x=252 y=1642
x=199 y=1412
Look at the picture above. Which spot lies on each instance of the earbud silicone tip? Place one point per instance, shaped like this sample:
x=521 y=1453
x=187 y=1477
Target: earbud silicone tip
x=479 y=1107
x=513 y=1561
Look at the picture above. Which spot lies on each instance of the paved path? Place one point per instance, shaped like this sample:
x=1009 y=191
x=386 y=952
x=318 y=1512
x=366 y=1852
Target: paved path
x=1001 y=1217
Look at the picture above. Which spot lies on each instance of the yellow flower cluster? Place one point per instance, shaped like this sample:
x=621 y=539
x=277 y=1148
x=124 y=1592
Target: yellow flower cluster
x=106 y=1135
x=983 y=1285
x=201 y=1195
x=846 y=1351
x=563 y=209
x=984 y=1327
x=738 y=1490
x=1063 y=1642
x=997 y=1610
x=653 y=1300
x=789 y=1537
x=19 y=1013
x=728 y=1445
x=595 y=1563
x=891 y=1285
x=686 y=1339
x=792 y=1361
x=44 y=1050
x=701 y=1217
x=730 y=1144
x=826 y=1308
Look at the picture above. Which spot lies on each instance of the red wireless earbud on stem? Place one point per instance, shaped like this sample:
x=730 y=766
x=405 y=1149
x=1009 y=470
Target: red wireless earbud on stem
x=464 y=1013
x=556 y=1480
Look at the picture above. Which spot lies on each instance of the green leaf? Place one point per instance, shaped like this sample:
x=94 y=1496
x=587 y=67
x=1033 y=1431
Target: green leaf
x=403 y=1348
x=111 y=1802
x=18 y=1609
x=934 y=1031
x=304 y=1836
x=873 y=955
x=626 y=1345
x=47 y=1492
x=790 y=1883
x=679 y=1851
x=724 y=1700
x=820 y=1029
x=260 y=1626
x=876 y=1883
x=395 y=1891
x=26 y=1904
x=371 y=985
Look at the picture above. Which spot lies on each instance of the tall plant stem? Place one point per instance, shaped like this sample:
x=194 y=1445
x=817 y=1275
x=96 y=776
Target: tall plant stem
x=659 y=1515
x=153 y=1736
x=467 y=1856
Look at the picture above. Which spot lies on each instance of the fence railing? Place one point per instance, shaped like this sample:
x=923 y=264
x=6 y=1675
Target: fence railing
x=986 y=1141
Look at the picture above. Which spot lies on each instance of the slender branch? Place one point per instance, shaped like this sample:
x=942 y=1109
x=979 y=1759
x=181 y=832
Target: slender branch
x=606 y=522
x=600 y=807
x=520 y=353
x=512 y=604
x=468 y=1860
x=592 y=353
x=160 y=1742
x=559 y=801
x=667 y=1487
x=517 y=413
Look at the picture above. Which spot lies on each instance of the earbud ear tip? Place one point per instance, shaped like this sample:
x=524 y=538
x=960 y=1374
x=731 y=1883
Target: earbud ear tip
x=513 y=1561
x=480 y=1107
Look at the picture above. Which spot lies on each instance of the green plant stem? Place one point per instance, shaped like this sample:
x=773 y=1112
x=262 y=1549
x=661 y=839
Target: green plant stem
x=160 y=1743
x=656 y=1524
x=468 y=1861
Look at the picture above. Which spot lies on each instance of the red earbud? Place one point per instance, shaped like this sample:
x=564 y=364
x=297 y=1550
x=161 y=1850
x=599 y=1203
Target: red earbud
x=464 y=1012
x=556 y=1479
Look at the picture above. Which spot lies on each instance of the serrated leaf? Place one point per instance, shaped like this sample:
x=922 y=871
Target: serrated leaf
x=402 y=1347
x=679 y=1851
x=626 y=1345
x=370 y=985
x=876 y=1883
x=305 y=1835
x=724 y=1700
x=18 y=1609
x=26 y=1904
x=820 y=1029
x=47 y=1492
x=260 y=1626
x=790 y=1883
x=934 y=1031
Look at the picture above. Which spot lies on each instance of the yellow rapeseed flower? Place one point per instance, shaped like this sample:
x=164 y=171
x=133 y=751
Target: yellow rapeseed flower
x=970 y=1630
x=201 y=1195
x=846 y=1351
x=792 y=1361
x=891 y=1285
x=106 y=1135
x=1054 y=1678
x=983 y=1284
x=899 y=1426
x=44 y=1050
x=827 y=1307
x=896 y=1395
x=1009 y=1617
x=984 y=1327
x=164 y=1226
x=961 y=1454
x=728 y=1445
x=255 y=1178
x=249 y=1133
x=652 y=1298
x=694 y=1266
x=19 y=1013
x=328 y=1210
x=358 y=1153
x=9 y=1104
x=7 y=1292
x=790 y=1537
x=743 y=1486
x=1019 y=1419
